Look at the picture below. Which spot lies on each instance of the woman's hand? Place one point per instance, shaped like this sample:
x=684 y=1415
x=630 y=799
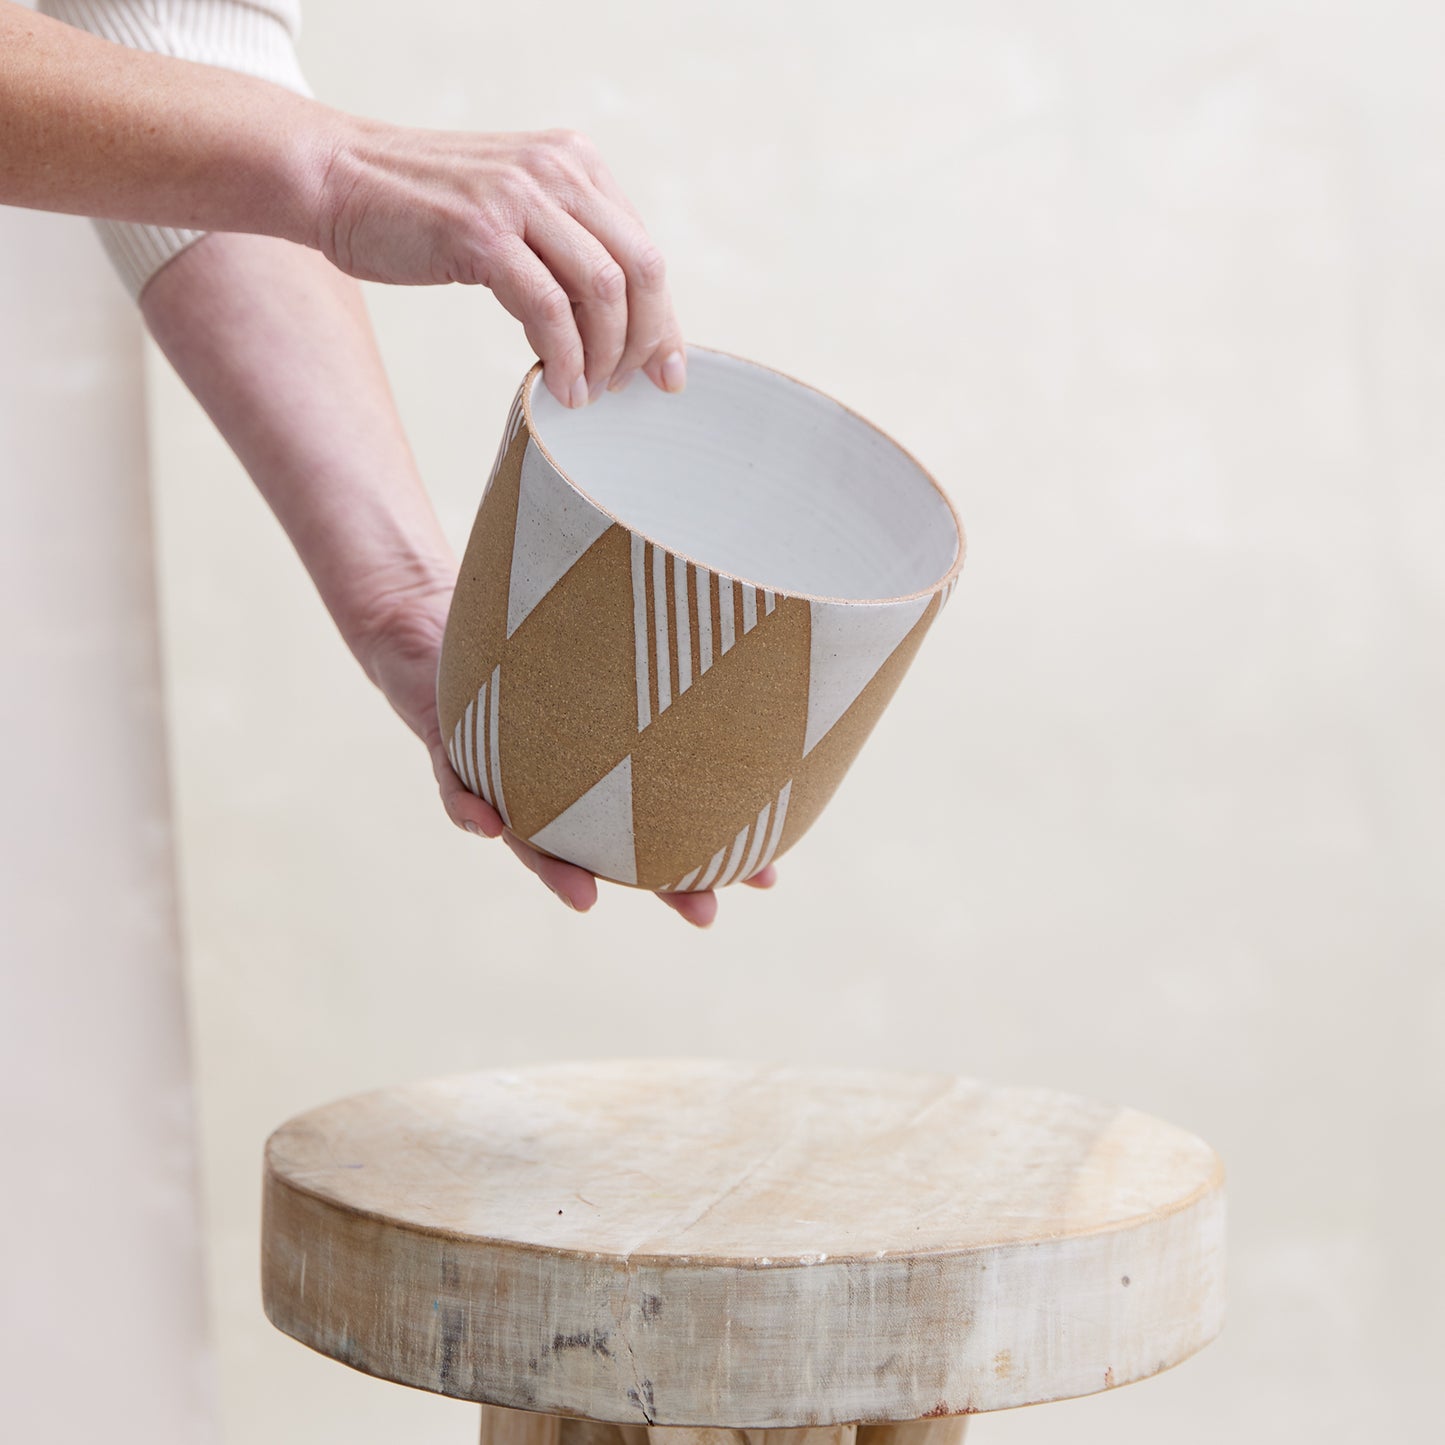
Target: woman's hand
x=275 y=344
x=402 y=661
x=536 y=217
x=100 y=129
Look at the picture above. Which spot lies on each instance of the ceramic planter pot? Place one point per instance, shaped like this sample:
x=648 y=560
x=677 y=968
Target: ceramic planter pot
x=679 y=617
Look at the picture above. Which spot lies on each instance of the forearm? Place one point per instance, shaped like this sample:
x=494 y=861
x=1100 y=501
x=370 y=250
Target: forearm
x=94 y=128
x=97 y=128
x=276 y=345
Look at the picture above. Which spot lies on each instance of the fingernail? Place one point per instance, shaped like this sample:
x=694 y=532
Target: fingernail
x=475 y=829
x=674 y=372
x=579 y=392
x=620 y=381
x=562 y=898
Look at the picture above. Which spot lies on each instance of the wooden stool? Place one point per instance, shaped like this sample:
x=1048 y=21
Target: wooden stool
x=620 y=1248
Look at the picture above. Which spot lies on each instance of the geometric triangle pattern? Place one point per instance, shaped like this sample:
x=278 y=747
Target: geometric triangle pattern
x=689 y=621
x=595 y=832
x=474 y=749
x=554 y=528
x=515 y=416
x=750 y=852
x=661 y=724
x=845 y=649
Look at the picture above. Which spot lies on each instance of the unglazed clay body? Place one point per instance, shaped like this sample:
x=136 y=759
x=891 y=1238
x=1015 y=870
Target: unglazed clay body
x=679 y=617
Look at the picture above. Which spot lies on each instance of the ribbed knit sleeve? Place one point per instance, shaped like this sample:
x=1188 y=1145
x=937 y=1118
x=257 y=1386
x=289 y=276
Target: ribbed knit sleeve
x=255 y=37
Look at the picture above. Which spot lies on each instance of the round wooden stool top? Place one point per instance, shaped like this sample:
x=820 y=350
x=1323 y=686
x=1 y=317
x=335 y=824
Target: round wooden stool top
x=689 y=1243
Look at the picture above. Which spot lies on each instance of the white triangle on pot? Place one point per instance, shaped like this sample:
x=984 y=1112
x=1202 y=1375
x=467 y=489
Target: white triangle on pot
x=595 y=832
x=849 y=643
x=555 y=527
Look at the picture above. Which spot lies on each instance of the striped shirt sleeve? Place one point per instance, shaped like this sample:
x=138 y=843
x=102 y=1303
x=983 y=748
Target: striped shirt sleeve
x=255 y=37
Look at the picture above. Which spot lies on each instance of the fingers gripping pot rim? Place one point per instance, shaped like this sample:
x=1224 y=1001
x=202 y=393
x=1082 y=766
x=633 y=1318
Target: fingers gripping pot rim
x=680 y=616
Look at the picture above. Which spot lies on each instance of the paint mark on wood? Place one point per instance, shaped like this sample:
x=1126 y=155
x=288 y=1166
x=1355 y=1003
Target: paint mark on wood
x=642 y=1398
x=593 y=1340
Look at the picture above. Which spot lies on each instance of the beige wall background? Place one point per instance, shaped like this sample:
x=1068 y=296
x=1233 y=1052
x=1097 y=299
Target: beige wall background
x=102 y=1314
x=1158 y=292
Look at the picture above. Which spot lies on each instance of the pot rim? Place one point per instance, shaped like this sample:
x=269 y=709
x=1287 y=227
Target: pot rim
x=534 y=374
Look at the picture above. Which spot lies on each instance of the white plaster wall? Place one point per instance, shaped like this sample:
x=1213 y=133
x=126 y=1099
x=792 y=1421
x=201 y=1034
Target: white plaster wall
x=102 y=1321
x=1157 y=290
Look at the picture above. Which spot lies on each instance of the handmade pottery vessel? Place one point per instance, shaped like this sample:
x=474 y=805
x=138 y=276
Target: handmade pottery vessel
x=679 y=618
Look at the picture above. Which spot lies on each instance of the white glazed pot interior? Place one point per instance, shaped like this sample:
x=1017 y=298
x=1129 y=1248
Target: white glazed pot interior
x=757 y=476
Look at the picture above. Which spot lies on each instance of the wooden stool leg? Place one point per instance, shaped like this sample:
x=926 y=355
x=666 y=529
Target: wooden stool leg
x=593 y=1432
x=518 y=1427
x=697 y=1435
x=812 y=1435
x=945 y=1430
x=526 y=1427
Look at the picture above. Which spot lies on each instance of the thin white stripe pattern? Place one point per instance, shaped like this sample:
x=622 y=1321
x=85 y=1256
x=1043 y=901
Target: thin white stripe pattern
x=750 y=607
x=725 y=613
x=735 y=858
x=659 y=609
x=475 y=749
x=655 y=639
x=706 y=880
x=684 y=627
x=750 y=863
x=509 y=435
x=639 y=631
x=454 y=751
x=467 y=732
x=499 y=798
x=748 y=853
x=775 y=833
x=946 y=596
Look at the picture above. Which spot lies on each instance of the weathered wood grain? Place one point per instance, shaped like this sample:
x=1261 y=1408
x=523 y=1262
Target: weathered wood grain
x=732 y=1245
